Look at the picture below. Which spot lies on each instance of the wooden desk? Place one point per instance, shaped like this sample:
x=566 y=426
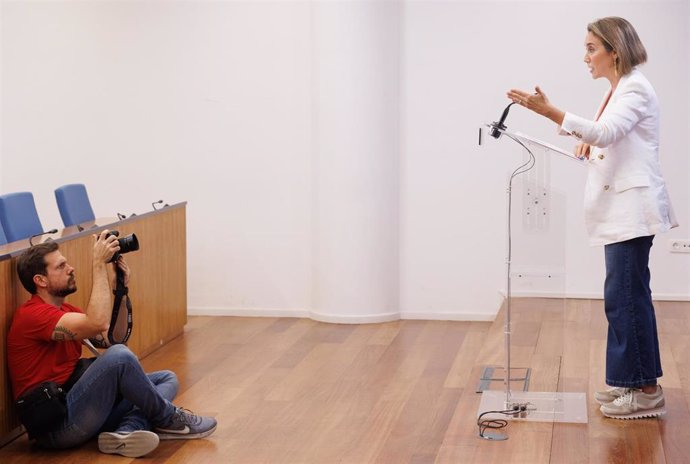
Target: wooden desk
x=157 y=287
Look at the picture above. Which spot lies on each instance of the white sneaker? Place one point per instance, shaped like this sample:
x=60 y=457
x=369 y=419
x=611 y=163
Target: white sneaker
x=636 y=404
x=609 y=395
x=130 y=444
x=185 y=424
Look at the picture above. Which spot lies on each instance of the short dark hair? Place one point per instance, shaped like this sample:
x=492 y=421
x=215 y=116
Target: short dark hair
x=33 y=262
x=618 y=35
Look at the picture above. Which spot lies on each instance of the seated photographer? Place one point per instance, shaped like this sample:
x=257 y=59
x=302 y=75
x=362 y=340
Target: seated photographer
x=113 y=397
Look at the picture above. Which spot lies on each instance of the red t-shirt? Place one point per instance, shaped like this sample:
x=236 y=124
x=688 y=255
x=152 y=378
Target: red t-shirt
x=32 y=356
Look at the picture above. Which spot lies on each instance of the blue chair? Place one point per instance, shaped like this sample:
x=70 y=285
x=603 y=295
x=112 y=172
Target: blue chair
x=18 y=216
x=74 y=205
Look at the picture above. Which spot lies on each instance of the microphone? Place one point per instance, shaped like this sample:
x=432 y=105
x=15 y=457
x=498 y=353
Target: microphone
x=499 y=126
x=51 y=231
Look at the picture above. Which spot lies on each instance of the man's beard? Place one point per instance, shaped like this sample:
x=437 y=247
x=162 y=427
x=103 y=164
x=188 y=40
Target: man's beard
x=63 y=292
x=68 y=289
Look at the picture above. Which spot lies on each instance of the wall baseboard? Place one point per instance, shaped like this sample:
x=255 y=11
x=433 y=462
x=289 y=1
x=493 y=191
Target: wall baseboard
x=340 y=319
x=355 y=318
x=441 y=316
x=246 y=312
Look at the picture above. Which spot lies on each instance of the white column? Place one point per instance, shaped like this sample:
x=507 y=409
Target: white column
x=356 y=86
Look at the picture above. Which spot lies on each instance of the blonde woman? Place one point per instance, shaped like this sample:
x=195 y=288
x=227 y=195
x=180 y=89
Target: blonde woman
x=626 y=204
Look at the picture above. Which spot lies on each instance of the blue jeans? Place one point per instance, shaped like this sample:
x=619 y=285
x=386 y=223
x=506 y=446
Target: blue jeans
x=114 y=394
x=632 y=349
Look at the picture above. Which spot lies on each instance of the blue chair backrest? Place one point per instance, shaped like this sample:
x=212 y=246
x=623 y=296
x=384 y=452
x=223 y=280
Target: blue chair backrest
x=3 y=239
x=18 y=216
x=73 y=203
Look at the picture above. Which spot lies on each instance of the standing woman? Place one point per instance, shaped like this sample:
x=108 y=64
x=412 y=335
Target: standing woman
x=626 y=204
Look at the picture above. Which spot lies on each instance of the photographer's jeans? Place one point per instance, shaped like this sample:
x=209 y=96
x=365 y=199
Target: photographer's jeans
x=114 y=394
x=632 y=350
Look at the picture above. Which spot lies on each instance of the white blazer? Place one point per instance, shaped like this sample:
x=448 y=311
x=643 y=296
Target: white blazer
x=625 y=195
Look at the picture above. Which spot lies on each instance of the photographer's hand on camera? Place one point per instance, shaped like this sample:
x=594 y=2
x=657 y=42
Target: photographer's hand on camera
x=105 y=247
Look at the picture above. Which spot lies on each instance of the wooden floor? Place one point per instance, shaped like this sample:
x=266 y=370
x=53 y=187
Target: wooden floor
x=300 y=391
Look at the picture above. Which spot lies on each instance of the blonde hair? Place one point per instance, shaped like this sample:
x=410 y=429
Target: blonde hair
x=618 y=35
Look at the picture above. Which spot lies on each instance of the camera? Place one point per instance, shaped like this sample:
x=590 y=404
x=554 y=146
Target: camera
x=127 y=243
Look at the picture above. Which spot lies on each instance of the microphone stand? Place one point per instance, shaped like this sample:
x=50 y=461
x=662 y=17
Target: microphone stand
x=509 y=258
x=497 y=129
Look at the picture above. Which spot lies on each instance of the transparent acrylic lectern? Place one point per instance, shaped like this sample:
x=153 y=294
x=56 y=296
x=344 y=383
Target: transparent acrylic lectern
x=533 y=375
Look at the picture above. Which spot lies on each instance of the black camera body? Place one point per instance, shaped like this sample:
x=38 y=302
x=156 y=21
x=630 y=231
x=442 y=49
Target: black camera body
x=127 y=243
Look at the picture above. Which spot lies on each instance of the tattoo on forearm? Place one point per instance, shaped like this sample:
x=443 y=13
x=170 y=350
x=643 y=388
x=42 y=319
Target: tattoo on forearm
x=99 y=342
x=62 y=333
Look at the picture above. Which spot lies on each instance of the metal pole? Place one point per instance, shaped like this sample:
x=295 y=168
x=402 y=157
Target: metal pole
x=507 y=327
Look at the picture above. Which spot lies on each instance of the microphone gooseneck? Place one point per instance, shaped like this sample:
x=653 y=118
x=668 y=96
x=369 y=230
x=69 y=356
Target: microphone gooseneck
x=499 y=126
x=51 y=231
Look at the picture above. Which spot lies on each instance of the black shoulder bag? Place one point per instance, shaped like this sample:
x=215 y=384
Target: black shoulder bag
x=42 y=409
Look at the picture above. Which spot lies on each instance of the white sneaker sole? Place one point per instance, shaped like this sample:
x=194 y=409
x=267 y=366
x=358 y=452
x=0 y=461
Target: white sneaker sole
x=132 y=445
x=648 y=413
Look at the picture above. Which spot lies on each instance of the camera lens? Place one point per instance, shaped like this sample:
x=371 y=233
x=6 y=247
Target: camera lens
x=128 y=243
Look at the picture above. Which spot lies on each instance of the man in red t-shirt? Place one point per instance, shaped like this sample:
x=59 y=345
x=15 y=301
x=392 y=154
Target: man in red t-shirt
x=32 y=362
x=114 y=397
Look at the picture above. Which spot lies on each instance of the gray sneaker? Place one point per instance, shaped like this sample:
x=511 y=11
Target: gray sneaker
x=185 y=425
x=635 y=404
x=131 y=444
x=610 y=394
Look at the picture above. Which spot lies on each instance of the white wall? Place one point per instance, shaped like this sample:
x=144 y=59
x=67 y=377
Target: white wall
x=207 y=102
x=460 y=59
x=214 y=103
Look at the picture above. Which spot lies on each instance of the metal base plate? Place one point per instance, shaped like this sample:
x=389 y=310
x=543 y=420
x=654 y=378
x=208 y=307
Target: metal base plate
x=541 y=406
x=519 y=378
x=494 y=436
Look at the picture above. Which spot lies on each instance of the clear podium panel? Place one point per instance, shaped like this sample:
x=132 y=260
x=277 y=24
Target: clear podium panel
x=541 y=384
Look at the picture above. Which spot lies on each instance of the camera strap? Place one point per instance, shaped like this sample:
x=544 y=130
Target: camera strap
x=121 y=319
